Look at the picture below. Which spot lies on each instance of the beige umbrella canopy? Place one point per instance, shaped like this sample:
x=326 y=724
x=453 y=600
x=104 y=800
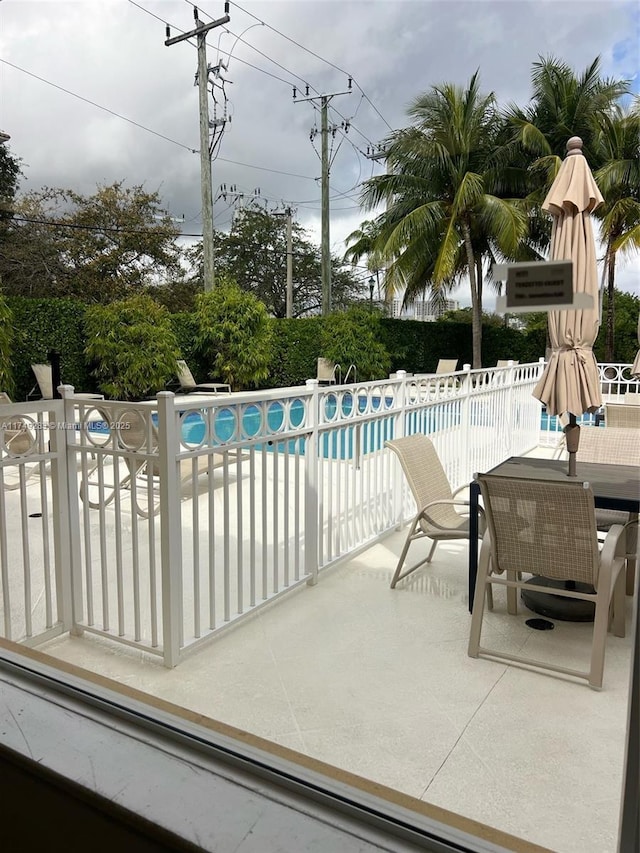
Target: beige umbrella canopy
x=570 y=382
x=635 y=368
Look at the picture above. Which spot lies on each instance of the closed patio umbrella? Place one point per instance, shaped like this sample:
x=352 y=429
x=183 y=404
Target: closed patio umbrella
x=570 y=384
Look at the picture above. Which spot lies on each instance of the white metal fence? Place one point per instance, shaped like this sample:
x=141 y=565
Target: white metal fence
x=165 y=521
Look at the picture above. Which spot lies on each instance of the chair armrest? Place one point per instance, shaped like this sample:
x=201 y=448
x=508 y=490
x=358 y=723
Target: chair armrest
x=444 y=501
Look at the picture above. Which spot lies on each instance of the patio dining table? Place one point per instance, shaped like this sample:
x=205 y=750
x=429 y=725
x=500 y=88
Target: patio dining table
x=614 y=487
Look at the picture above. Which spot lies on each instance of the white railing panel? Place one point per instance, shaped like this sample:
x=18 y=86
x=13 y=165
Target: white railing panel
x=33 y=535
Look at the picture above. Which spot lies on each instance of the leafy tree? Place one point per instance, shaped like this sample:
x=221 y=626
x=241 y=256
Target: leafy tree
x=97 y=248
x=10 y=172
x=254 y=253
x=354 y=337
x=618 y=145
x=234 y=333
x=627 y=310
x=133 y=346
x=442 y=219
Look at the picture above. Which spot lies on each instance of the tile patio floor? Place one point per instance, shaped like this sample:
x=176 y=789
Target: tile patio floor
x=378 y=682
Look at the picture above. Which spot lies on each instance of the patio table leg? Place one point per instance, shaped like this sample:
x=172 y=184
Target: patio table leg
x=474 y=494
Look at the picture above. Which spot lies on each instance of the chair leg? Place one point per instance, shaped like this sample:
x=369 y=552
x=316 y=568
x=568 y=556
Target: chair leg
x=630 y=574
x=619 y=604
x=512 y=595
x=600 y=625
x=431 y=551
x=403 y=555
x=478 y=601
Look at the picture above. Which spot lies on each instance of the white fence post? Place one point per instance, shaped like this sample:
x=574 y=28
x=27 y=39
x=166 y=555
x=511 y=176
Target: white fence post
x=311 y=508
x=170 y=530
x=66 y=516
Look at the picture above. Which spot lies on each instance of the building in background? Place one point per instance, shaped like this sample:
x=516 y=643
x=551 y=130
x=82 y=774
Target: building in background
x=425 y=310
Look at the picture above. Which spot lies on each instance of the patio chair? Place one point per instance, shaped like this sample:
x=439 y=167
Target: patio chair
x=142 y=472
x=43 y=389
x=17 y=440
x=560 y=542
x=188 y=384
x=437 y=518
x=506 y=362
x=631 y=399
x=622 y=415
x=614 y=446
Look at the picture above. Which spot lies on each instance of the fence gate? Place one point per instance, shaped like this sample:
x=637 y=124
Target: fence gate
x=35 y=585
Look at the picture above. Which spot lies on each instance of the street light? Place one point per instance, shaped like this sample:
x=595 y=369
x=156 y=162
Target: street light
x=4 y=137
x=372 y=283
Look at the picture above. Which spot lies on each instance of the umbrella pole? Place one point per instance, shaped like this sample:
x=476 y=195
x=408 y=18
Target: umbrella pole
x=572 y=439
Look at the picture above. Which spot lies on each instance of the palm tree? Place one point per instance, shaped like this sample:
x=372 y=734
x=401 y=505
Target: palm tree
x=364 y=244
x=533 y=140
x=618 y=146
x=441 y=221
x=562 y=105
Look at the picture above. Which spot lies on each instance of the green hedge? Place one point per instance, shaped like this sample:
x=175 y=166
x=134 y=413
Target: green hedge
x=41 y=325
x=44 y=324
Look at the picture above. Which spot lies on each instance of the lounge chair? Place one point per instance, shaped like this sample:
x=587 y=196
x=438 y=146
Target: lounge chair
x=437 y=518
x=631 y=399
x=504 y=362
x=142 y=472
x=18 y=440
x=43 y=389
x=188 y=384
x=447 y=365
x=560 y=542
x=327 y=371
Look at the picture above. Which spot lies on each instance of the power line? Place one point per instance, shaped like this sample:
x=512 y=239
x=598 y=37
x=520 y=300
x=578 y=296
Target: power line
x=317 y=56
x=99 y=106
x=52 y=223
x=348 y=122
x=293 y=74
x=149 y=130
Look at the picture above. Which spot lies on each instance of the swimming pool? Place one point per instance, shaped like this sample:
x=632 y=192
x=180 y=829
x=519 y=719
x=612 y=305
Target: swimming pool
x=270 y=420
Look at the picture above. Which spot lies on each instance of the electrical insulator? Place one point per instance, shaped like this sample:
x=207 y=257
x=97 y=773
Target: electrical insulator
x=306 y=90
x=226 y=7
x=168 y=31
x=195 y=13
x=350 y=82
x=294 y=93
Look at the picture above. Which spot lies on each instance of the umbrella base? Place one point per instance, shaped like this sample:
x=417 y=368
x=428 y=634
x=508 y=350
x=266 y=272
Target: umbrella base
x=559 y=606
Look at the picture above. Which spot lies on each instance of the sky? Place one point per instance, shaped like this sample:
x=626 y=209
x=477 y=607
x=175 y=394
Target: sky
x=142 y=125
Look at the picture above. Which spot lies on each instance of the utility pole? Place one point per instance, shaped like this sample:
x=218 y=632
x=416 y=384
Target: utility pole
x=287 y=213
x=325 y=225
x=200 y=32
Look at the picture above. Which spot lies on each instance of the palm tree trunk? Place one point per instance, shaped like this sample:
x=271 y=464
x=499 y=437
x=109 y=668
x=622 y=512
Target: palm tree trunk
x=476 y=299
x=609 y=346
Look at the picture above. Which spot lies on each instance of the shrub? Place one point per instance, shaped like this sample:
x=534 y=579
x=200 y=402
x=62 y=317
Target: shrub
x=235 y=334
x=354 y=337
x=133 y=346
